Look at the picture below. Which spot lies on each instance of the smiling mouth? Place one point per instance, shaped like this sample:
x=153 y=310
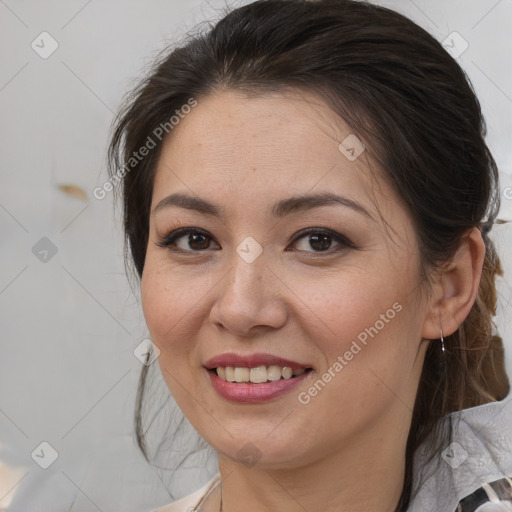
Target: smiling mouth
x=258 y=374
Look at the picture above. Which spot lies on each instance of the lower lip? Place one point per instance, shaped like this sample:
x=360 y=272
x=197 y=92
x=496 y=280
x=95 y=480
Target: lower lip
x=254 y=393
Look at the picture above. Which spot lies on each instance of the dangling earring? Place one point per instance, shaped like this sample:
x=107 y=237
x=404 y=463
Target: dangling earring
x=442 y=342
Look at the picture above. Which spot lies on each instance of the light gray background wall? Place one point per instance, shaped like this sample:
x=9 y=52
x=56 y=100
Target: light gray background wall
x=69 y=322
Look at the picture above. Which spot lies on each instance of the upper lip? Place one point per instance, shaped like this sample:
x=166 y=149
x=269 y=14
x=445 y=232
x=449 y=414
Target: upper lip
x=251 y=361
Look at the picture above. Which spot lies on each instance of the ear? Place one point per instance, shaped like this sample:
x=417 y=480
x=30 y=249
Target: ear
x=456 y=289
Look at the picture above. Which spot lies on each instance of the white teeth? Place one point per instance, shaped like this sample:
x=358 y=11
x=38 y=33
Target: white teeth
x=274 y=372
x=241 y=374
x=258 y=374
x=230 y=374
x=287 y=372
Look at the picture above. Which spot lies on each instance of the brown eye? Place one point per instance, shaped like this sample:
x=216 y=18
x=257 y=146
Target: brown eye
x=321 y=241
x=186 y=240
x=197 y=242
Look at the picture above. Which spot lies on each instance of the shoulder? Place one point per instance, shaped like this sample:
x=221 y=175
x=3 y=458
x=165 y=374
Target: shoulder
x=473 y=471
x=490 y=497
x=189 y=502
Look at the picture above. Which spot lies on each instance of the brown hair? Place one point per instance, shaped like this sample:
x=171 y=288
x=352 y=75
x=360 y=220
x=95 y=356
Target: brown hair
x=416 y=110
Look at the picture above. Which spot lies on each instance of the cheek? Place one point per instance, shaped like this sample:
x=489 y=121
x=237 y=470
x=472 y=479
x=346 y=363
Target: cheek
x=157 y=303
x=162 y=313
x=364 y=325
x=175 y=302
x=345 y=305
x=170 y=301
x=171 y=304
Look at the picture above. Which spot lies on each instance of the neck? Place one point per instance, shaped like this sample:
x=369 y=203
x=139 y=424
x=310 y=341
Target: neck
x=365 y=474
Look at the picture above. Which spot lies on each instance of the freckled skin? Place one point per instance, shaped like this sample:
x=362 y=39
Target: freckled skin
x=309 y=306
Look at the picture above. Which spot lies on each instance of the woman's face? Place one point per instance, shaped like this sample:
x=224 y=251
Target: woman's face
x=332 y=286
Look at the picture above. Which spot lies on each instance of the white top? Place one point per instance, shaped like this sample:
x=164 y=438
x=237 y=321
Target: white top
x=476 y=468
x=190 y=502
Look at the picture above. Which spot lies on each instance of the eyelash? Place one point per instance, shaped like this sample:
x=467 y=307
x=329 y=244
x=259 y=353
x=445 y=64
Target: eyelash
x=168 y=240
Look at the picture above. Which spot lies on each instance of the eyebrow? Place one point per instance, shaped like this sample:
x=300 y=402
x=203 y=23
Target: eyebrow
x=280 y=209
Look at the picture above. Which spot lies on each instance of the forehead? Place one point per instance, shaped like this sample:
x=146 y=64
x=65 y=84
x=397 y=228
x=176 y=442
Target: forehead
x=268 y=146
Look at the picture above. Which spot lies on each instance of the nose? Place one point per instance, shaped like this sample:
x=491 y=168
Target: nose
x=250 y=298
